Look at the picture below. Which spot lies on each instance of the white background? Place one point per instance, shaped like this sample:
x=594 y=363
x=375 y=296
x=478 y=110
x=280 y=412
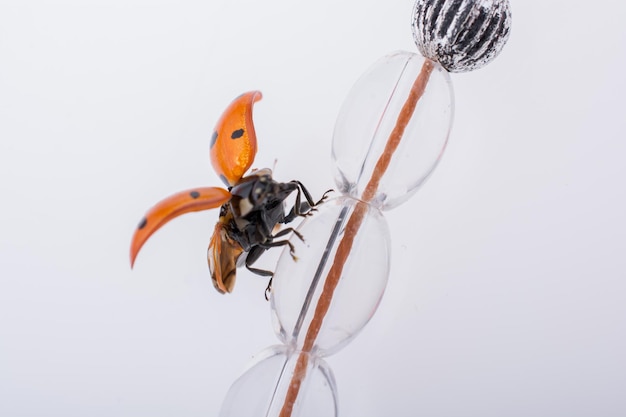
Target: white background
x=507 y=295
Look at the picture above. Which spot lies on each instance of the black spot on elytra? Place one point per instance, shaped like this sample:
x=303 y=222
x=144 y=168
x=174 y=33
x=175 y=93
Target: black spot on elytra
x=237 y=134
x=194 y=194
x=224 y=180
x=142 y=223
x=213 y=139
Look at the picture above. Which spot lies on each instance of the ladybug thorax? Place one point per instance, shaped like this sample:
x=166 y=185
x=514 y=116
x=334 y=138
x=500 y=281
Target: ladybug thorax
x=251 y=194
x=255 y=208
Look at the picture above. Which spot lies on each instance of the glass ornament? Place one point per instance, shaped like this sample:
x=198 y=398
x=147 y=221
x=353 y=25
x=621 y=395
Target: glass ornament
x=297 y=285
x=261 y=390
x=389 y=136
x=369 y=116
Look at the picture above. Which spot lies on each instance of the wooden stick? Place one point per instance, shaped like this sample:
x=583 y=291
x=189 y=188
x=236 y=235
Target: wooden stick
x=352 y=227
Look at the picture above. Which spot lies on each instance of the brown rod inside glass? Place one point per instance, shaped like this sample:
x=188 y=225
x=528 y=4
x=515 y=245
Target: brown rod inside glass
x=352 y=226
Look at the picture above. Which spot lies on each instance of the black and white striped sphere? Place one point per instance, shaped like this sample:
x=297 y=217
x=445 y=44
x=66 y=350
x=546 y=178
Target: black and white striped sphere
x=462 y=35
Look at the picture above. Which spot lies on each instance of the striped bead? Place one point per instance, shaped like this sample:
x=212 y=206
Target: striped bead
x=462 y=35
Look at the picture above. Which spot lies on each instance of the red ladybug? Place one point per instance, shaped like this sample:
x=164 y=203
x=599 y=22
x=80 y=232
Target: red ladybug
x=251 y=208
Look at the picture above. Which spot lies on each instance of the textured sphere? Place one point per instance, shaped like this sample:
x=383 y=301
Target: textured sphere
x=462 y=35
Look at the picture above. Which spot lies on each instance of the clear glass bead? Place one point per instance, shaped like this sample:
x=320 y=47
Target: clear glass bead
x=262 y=389
x=298 y=284
x=368 y=117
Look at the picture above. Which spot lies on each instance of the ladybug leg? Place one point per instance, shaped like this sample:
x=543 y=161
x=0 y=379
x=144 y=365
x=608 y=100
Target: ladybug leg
x=252 y=257
x=324 y=196
x=262 y=272
x=268 y=290
x=308 y=196
x=304 y=208
x=257 y=250
x=255 y=253
x=293 y=213
x=292 y=250
x=287 y=231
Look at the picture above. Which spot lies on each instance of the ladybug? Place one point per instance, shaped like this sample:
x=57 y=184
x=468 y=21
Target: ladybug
x=250 y=210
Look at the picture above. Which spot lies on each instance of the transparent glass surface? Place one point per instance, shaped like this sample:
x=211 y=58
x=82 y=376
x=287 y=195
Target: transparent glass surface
x=261 y=390
x=368 y=117
x=393 y=127
x=298 y=284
